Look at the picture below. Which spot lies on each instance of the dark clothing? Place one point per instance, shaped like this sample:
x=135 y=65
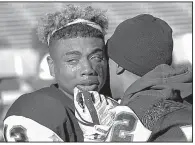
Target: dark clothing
x=157 y=99
x=51 y=108
x=150 y=98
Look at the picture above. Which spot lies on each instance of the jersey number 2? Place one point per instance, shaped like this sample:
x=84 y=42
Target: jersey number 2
x=126 y=123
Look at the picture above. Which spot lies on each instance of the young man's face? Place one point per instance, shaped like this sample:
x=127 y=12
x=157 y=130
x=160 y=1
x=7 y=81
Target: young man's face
x=79 y=62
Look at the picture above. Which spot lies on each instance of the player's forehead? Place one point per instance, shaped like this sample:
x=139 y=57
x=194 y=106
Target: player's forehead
x=77 y=46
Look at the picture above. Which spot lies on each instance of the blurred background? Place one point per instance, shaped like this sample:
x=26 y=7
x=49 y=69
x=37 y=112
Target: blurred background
x=23 y=67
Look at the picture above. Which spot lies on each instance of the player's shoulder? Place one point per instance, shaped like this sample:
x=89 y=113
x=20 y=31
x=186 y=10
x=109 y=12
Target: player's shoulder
x=39 y=114
x=38 y=106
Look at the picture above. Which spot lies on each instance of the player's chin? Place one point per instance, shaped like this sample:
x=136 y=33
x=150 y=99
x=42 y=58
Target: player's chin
x=92 y=87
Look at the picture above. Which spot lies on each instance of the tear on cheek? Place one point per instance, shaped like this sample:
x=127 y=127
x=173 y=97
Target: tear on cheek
x=100 y=70
x=75 y=68
x=72 y=69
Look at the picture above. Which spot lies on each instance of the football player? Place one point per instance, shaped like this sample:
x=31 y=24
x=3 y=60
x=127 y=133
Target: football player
x=75 y=39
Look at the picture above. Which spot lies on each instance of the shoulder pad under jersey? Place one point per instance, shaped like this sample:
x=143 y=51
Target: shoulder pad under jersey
x=34 y=117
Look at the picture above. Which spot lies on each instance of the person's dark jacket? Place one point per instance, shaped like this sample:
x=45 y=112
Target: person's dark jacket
x=161 y=101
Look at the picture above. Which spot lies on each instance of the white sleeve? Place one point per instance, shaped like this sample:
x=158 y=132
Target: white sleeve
x=187 y=131
x=22 y=129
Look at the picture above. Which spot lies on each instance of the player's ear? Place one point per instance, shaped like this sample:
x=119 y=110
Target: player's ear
x=51 y=65
x=119 y=69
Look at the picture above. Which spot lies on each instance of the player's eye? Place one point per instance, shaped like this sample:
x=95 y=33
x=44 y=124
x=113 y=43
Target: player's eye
x=72 y=61
x=97 y=58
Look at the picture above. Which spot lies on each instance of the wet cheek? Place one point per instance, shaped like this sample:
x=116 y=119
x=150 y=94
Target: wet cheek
x=75 y=69
x=68 y=76
x=67 y=72
x=72 y=69
x=100 y=69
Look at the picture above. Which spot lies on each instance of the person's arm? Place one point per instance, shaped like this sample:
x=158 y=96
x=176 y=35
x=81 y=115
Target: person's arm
x=166 y=119
x=174 y=127
x=176 y=134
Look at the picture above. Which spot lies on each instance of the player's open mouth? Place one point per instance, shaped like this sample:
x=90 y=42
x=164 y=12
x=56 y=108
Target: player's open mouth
x=88 y=87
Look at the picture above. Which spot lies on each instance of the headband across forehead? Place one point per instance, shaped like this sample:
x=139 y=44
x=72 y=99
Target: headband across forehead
x=76 y=21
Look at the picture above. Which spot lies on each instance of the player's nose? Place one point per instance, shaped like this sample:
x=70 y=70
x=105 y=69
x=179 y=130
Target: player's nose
x=87 y=69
